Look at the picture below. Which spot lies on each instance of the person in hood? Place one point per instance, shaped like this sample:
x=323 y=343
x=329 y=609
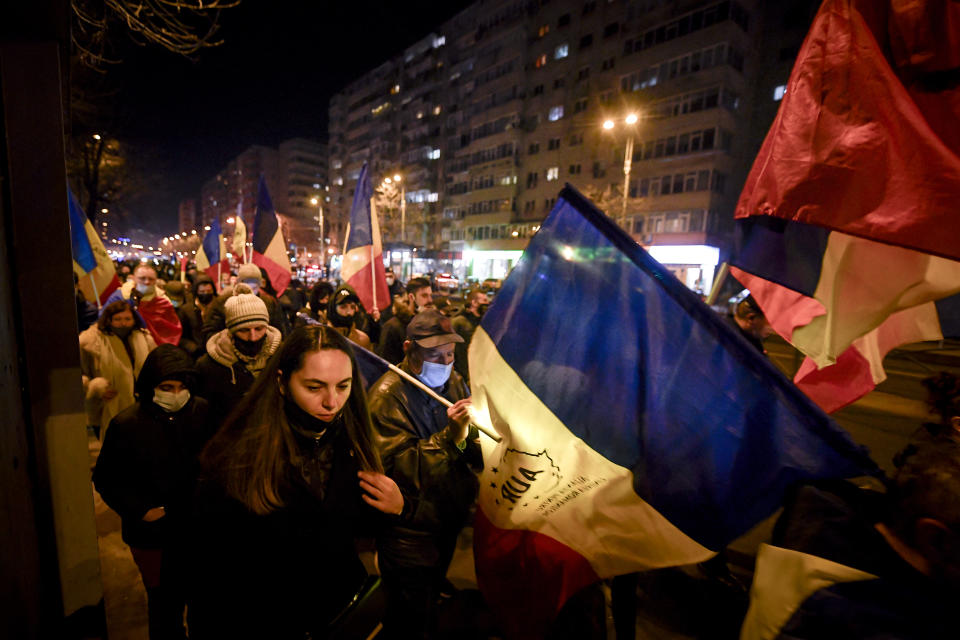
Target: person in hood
x=431 y=452
x=288 y=482
x=112 y=353
x=146 y=472
x=191 y=316
x=237 y=354
x=343 y=313
x=151 y=304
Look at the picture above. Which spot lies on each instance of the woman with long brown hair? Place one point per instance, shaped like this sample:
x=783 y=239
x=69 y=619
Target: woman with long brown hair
x=289 y=480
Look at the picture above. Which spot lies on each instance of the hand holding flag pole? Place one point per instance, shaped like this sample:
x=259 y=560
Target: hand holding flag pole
x=487 y=431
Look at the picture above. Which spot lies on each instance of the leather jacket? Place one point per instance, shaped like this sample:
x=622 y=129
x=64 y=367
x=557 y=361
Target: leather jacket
x=438 y=481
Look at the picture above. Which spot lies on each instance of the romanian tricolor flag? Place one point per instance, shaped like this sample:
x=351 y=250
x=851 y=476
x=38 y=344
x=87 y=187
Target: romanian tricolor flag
x=848 y=217
x=639 y=429
x=363 y=251
x=269 y=249
x=211 y=257
x=96 y=273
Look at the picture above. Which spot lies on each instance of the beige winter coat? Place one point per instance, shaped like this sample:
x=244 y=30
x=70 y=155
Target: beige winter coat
x=105 y=364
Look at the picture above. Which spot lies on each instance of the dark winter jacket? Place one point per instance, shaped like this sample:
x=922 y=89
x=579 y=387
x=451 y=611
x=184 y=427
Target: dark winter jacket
x=216 y=316
x=465 y=325
x=437 y=479
x=394 y=332
x=149 y=456
x=285 y=574
x=191 y=321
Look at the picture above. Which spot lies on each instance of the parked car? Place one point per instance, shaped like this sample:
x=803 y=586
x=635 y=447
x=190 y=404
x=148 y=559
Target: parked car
x=446 y=282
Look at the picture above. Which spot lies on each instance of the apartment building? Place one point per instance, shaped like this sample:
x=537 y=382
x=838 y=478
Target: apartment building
x=491 y=114
x=295 y=174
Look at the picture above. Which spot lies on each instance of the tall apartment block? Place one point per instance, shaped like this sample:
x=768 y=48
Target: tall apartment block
x=295 y=174
x=485 y=120
x=187 y=215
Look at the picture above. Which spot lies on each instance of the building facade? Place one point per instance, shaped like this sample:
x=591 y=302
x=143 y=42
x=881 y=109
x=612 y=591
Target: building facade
x=295 y=174
x=486 y=119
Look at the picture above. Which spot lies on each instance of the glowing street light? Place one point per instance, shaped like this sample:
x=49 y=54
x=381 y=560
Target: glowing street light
x=96 y=136
x=630 y=119
x=104 y=210
x=396 y=177
x=387 y=180
x=230 y=220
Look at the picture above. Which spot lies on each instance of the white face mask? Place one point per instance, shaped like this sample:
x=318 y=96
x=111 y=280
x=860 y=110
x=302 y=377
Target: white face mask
x=145 y=288
x=170 y=401
x=435 y=375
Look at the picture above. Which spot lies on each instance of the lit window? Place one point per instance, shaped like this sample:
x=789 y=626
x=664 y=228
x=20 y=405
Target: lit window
x=419 y=115
x=439 y=41
x=434 y=154
x=562 y=51
x=339 y=181
x=337 y=164
x=433 y=197
x=553 y=173
x=555 y=113
x=395 y=89
x=541 y=61
x=436 y=110
x=316 y=185
x=779 y=92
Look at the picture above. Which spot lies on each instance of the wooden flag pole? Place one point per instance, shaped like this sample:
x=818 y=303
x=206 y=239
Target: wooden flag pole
x=436 y=396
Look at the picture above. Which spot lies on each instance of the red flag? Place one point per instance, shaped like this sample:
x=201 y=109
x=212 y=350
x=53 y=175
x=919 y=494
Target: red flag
x=865 y=144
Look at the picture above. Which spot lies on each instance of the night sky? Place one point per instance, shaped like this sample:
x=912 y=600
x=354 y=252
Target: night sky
x=271 y=80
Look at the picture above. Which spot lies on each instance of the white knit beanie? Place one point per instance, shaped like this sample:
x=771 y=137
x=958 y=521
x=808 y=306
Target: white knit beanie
x=249 y=271
x=244 y=310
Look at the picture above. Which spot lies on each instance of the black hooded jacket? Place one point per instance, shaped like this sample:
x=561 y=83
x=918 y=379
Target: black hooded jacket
x=149 y=456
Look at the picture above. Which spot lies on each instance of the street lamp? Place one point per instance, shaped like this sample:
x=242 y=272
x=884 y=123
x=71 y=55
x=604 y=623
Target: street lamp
x=630 y=119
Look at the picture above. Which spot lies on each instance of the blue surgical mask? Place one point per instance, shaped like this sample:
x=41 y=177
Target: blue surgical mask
x=435 y=375
x=144 y=289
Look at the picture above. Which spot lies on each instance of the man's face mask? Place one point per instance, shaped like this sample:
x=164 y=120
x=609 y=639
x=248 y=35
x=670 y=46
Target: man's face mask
x=144 y=289
x=171 y=401
x=435 y=375
x=205 y=298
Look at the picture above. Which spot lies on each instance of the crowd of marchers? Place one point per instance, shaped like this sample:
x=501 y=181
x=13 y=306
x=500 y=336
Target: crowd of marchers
x=246 y=455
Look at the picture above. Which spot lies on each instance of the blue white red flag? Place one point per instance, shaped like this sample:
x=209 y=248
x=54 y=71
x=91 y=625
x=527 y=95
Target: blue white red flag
x=363 y=251
x=856 y=187
x=211 y=257
x=269 y=249
x=639 y=429
x=96 y=273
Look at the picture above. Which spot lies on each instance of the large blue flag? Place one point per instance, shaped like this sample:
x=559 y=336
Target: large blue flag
x=639 y=429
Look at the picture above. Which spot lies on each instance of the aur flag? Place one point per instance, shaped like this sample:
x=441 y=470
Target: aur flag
x=855 y=189
x=211 y=257
x=269 y=250
x=363 y=252
x=96 y=273
x=639 y=430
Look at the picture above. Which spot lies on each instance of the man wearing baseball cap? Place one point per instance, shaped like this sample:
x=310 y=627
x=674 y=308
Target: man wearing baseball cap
x=431 y=452
x=238 y=353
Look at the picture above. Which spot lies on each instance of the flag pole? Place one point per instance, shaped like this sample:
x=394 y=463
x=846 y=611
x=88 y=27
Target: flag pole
x=373 y=276
x=96 y=294
x=717 y=281
x=436 y=396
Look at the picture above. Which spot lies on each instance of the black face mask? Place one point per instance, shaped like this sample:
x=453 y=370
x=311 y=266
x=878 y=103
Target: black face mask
x=248 y=348
x=338 y=320
x=121 y=332
x=300 y=418
x=205 y=298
